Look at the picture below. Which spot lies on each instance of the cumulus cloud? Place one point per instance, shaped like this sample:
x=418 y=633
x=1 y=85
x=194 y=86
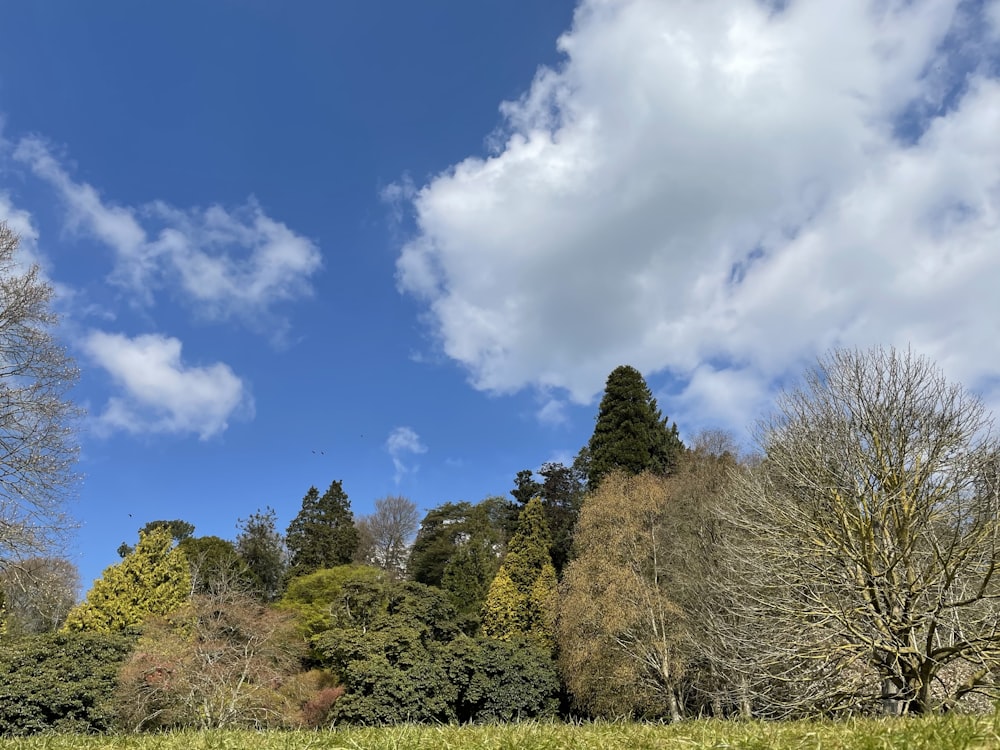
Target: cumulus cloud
x=721 y=190
x=227 y=263
x=401 y=444
x=162 y=394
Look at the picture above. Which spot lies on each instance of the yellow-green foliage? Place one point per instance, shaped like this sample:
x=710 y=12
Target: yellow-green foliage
x=154 y=579
x=929 y=733
x=312 y=597
x=504 y=609
x=521 y=599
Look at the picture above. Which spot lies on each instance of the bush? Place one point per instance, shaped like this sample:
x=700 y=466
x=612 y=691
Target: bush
x=59 y=682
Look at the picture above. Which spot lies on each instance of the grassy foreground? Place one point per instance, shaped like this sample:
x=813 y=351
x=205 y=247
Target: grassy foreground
x=937 y=733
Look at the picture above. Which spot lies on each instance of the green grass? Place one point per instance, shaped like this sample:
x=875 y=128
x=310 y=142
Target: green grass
x=932 y=733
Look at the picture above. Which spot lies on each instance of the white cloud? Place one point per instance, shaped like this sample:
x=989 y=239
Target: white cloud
x=162 y=394
x=722 y=191
x=402 y=443
x=236 y=263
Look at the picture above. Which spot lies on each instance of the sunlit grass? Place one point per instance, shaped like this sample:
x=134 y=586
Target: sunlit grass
x=932 y=733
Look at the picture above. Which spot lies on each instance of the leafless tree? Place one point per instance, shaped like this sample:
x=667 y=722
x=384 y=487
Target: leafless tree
x=859 y=558
x=37 y=451
x=385 y=535
x=38 y=593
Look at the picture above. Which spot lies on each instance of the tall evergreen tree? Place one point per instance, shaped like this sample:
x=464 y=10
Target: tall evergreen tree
x=631 y=434
x=520 y=599
x=323 y=534
x=153 y=580
x=262 y=548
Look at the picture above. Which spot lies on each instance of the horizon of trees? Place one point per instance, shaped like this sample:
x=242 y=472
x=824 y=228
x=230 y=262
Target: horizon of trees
x=847 y=568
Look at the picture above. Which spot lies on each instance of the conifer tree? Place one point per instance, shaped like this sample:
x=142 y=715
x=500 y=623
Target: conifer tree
x=323 y=534
x=631 y=434
x=154 y=579
x=262 y=549
x=521 y=596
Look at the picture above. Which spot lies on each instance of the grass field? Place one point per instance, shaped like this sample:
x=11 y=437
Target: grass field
x=935 y=733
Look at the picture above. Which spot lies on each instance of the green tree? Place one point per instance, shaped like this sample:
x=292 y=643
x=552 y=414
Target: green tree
x=501 y=681
x=447 y=528
x=312 y=596
x=262 y=548
x=387 y=648
x=36 y=418
x=467 y=578
x=520 y=598
x=216 y=565
x=179 y=530
x=322 y=535
x=154 y=580
x=631 y=434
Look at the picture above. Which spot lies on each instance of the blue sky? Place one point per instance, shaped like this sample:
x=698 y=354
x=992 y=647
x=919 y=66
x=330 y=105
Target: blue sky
x=402 y=244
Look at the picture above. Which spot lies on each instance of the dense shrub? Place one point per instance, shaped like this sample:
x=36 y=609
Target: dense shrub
x=59 y=682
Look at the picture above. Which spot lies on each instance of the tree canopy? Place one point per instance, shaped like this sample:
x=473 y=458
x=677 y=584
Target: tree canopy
x=323 y=534
x=631 y=434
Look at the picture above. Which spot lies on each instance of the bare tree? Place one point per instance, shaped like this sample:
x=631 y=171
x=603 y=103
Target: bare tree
x=38 y=593
x=861 y=553
x=37 y=451
x=387 y=533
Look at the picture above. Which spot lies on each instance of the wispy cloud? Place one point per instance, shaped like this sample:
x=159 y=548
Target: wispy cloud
x=401 y=444
x=162 y=394
x=226 y=263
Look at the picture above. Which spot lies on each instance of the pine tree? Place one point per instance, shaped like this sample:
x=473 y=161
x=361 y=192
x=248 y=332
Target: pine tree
x=631 y=434
x=154 y=579
x=262 y=548
x=323 y=534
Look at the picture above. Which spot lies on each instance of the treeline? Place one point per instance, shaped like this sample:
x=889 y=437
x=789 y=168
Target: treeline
x=848 y=567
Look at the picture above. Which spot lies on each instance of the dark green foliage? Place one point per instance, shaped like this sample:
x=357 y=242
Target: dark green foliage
x=501 y=681
x=385 y=648
x=631 y=434
x=322 y=535
x=215 y=565
x=59 y=682
x=447 y=528
x=525 y=487
x=467 y=578
x=262 y=548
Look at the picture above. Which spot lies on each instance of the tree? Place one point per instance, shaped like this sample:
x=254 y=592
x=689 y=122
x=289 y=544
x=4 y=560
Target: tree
x=520 y=598
x=179 y=530
x=447 y=528
x=37 y=594
x=620 y=631
x=216 y=565
x=217 y=663
x=313 y=596
x=631 y=434
x=390 y=530
x=322 y=535
x=262 y=548
x=863 y=548
x=386 y=647
x=37 y=450
x=154 y=580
